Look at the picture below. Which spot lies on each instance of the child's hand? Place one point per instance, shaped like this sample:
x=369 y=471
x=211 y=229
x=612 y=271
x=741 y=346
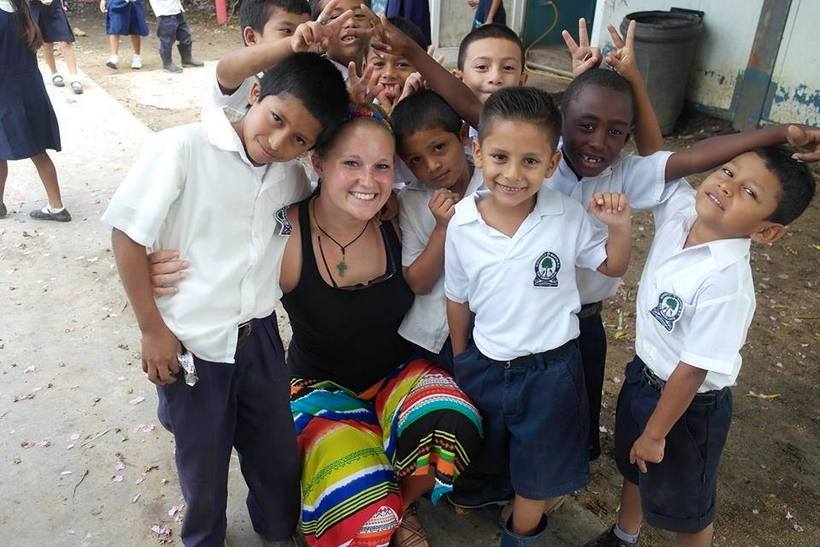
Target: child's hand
x=166 y=270
x=159 y=355
x=386 y=37
x=102 y=6
x=583 y=57
x=622 y=60
x=472 y=3
x=314 y=36
x=443 y=206
x=431 y=51
x=358 y=87
x=646 y=450
x=806 y=139
x=611 y=208
x=388 y=102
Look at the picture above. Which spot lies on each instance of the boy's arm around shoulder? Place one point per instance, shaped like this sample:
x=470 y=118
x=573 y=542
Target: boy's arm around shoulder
x=712 y=152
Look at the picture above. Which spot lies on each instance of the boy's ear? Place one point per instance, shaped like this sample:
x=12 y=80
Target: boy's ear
x=768 y=233
x=553 y=163
x=464 y=134
x=458 y=74
x=256 y=90
x=316 y=161
x=524 y=76
x=478 y=161
x=249 y=36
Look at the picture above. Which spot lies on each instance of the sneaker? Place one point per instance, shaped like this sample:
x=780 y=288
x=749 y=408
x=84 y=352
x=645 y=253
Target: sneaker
x=476 y=500
x=112 y=62
x=46 y=214
x=609 y=539
x=136 y=62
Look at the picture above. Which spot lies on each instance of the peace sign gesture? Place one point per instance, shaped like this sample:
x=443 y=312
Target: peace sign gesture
x=622 y=60
x=583 y=57
x=314 y=36
x=358 y=86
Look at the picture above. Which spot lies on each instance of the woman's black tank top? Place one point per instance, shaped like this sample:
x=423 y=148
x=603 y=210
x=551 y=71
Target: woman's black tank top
x=349 y=337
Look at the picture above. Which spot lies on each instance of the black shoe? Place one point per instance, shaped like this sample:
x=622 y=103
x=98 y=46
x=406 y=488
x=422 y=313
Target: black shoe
x=609 y=539
x=475 y=500
x=40 y=214
x=171 y=67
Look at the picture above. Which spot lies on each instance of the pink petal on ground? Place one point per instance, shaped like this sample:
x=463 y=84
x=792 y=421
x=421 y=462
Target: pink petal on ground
x=119 y=466
x=118 y=478
x=74 y=437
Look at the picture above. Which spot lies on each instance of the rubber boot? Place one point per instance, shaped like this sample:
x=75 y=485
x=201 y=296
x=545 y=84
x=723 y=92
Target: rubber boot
x=168 y=64
x=511 y=539
x=188 y=57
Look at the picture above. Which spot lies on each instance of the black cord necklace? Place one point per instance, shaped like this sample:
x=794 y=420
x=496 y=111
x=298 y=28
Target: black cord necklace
x=342 y=265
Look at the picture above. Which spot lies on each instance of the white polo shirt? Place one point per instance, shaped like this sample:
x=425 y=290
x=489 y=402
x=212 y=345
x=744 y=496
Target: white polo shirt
x=642 y=178
x=194 y=189
x=235 y=104
x=426 y=323
x=694 y=305
x=166 y=7
x=522 y=289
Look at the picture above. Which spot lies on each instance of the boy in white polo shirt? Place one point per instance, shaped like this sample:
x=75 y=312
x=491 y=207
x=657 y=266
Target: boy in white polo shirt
x=695 y=302
x=212 y=190
x=510 y=258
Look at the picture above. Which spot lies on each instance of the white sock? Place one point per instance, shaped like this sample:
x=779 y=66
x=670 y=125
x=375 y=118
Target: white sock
x=623 y=536
x=48 y=209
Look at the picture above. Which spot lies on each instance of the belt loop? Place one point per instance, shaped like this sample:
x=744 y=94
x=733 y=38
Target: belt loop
x=508 y=363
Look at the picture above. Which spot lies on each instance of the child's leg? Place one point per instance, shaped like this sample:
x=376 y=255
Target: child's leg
x=630 y=515
x=48 y=55
x=527 y=514
x=265 y=435
x=700 y=539
x=414 y=486
x=166 y=32
x=186 y=43
x=67 y=49
x=114 y=43
x=48 y=174
x=592 y=342
x=4 y=174
x=136 y=44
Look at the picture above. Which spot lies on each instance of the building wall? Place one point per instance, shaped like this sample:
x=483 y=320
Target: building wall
x=456 y=21
x=729 y=29
x=795 y=90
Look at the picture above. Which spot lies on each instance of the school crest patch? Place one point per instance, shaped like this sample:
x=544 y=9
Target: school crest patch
x=668 y=310
x=283 y=226
x=546 y=270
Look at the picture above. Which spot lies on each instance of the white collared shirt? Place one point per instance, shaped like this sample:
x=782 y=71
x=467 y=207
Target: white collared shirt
x=235 y=104
x=194 y=189
x=166 y=7
x=522 y=289
x=642 y=178
x=7 y=6
x=426 y=323
x=694 y=305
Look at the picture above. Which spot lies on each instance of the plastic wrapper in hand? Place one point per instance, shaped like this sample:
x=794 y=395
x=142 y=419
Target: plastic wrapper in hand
x=186 y=361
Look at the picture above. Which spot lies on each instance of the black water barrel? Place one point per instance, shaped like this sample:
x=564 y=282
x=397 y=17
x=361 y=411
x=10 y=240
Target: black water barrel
x=665 y=46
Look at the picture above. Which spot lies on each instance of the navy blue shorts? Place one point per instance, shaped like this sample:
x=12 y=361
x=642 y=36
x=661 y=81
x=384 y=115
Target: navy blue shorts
x=535 y=416
x=677 y=494
x=52 y=21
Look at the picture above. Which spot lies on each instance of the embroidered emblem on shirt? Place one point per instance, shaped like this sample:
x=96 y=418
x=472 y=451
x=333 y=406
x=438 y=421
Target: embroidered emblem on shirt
x=668 y=310
x=546 y=270
x=283 y=226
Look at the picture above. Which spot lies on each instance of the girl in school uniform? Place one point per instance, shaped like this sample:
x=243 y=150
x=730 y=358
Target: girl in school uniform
x=50 y=17
x=29 y=125
x=124 y=18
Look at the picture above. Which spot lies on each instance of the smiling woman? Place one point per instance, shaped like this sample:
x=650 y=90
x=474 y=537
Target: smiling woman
x=376 y=428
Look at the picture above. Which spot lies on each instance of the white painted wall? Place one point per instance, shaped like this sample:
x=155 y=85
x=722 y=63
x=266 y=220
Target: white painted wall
x=797 y=69
x=729 y=29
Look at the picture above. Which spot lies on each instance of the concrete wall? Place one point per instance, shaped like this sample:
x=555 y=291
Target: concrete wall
x=456 y=20
x=795 y=90
x=730 y=27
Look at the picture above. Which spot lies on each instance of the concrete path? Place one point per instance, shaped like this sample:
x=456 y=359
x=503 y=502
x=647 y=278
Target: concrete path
x=84 y=460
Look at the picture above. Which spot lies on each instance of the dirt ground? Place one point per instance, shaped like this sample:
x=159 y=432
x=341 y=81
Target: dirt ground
x=769 y=487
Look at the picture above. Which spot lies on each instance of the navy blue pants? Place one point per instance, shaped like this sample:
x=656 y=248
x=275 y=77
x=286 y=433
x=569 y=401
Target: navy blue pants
x=244 y=406
x=172 y=28
x=592 y=342
x=443 y=359
x=679 y=493
x=535 y=417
